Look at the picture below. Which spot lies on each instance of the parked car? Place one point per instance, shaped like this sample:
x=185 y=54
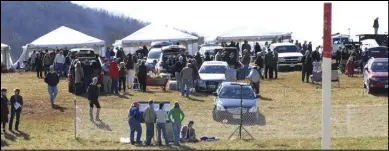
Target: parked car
x=85 y=54
x=211 y=73
x=155 y=53
x=375 y=74
x=288 y=55
x=227 y=102
x=378 y=52
x=211 y=49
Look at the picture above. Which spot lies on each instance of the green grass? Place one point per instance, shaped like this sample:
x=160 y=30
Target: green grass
x=291 y=111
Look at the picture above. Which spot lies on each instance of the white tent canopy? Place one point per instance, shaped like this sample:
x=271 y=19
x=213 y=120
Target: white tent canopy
x=6 y=58
x=62 y=37
x=156 y=32
x=252 y=33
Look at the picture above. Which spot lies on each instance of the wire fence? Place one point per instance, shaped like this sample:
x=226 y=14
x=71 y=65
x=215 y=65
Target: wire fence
x=304 y=122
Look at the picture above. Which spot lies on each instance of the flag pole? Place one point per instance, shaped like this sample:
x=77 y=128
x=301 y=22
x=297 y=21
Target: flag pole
x=326 y=77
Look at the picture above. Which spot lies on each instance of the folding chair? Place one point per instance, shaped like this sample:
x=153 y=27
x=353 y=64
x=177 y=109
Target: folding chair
x=135 y=84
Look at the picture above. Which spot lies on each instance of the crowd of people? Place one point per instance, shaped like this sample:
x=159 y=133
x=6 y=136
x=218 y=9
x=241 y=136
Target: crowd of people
x=159 y=118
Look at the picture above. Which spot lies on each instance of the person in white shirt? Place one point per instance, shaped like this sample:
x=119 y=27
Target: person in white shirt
x=161 y=124
x=254 y=78
x=59 y=62
x=230 y=74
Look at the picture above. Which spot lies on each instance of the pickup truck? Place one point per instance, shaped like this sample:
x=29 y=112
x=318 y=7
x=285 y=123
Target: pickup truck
x=288 y=55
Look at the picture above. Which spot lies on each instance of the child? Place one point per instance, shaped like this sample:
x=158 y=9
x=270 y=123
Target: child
x=122 y=77
x=16 y=109
x=93 y=97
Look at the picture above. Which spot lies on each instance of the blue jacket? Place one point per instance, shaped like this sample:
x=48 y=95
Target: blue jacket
x=134 y=113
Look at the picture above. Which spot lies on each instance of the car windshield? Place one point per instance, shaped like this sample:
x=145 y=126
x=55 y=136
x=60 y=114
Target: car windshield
x=213 y=69
x=340 y=40
x=234 y=92
x=380 y=67
x=285 y=49
x=154 y=54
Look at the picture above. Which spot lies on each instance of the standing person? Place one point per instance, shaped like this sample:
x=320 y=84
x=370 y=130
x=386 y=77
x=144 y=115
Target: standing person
x=350 y=66
x=254 y=78
x=247 y=47
x=130 y=70
x=142 y=76
x=305 y=47
x=275 y=64
x=88 y=72
x=186 y=79
x=52 y=79
x=122 y=77
x=93 y=97
x=111 y=54
x=16 y=108
x=107 y=53
x=259 y=63
x=150 y=117
x=338 y=55
x=177 y=67
x=114 y=74
x=316 y=55
x=47 y=61
x=269 y=59
x=237 y=47
x=120 y=54
x=199 y=60
x=207 y=57
x=39 y=65
x=218 y=56
x=246 y=62
x=134 y=119
x=78 y=78
x=176 y=116
x=4 y=108
x=145 y=51
x=310 y=49
x=33 y=56
x=161 y=125
x=307 y=67
x=257 y=48
x=59 y=61
x=107 y=81
x=376 y=26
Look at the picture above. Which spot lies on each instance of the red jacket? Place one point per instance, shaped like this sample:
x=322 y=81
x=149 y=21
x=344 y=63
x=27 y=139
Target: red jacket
x=113 y=70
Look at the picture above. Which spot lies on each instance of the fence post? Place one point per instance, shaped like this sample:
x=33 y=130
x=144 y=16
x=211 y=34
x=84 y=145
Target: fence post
x=75 y=117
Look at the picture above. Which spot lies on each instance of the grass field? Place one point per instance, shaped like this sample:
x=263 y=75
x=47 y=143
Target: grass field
x=290 y=109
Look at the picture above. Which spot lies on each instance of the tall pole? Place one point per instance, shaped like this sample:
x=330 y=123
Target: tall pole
x=326 y=77
x=241 y=111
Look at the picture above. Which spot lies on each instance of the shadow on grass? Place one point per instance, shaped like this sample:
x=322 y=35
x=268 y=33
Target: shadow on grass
x=22 y=134
x=194 y=99
x=60 y=108
x=265 y=98
x=9 y=136
x=102 y=125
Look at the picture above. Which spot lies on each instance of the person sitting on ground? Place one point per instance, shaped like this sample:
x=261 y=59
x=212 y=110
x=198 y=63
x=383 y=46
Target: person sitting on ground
x=188 y=133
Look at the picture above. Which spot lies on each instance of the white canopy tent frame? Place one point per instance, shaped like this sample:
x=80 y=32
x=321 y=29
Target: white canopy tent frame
x=251 y=33
x=6 y=58
x=154 y=32
x=60 y=38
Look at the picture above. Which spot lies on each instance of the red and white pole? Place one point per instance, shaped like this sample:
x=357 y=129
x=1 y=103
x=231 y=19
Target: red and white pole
x=326 y=78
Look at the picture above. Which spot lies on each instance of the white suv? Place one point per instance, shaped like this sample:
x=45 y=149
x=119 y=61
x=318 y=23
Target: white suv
x=288 y=55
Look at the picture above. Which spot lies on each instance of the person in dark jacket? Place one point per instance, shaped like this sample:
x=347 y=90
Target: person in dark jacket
x=247 y=47
x=246 y=61
x=145 y=51
x=275 y=64
x=316 y=55
x=338 y=55
x=305 y=47
x=269 y=64
x=259 y=63
x=130 y=70
x=257 y=48
x=207 y=57
x=134 y=121
x=376 y=26
x=93 y=97
x=111 y=54
x=39 y=65
x=122 y=77
x=142 y=76
x=88 y=74
x=199 y=60
x=307 y=66
x=52 y=79
x=309 y=47
x=177 y=67
x=16 y=108
x=4 y=108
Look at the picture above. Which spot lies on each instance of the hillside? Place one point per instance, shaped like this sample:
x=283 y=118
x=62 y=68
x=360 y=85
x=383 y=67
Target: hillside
x=24 y=21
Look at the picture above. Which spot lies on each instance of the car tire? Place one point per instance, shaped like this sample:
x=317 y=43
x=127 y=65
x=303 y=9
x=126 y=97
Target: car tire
x=214 y=115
